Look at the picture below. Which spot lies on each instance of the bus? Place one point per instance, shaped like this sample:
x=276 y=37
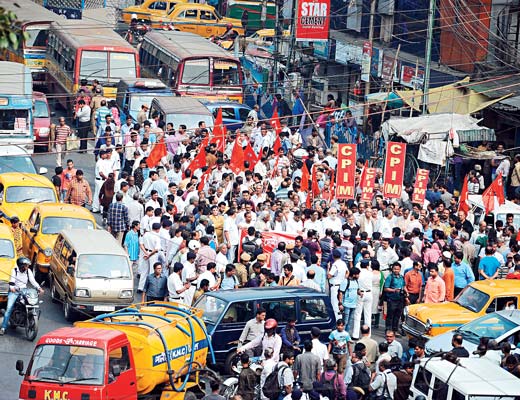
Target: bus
x=35 y=21
x=80 y=50
x=191 y=65
x=16 y=105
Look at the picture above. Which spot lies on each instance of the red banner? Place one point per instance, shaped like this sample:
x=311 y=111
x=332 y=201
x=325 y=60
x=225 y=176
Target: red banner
x=368 y=182
x=313 y=19
x=421 y=183
x=394 y=170
x=346 y=172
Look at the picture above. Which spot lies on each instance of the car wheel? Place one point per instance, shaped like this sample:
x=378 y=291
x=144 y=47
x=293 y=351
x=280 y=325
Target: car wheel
x=68 y=312
x=231 y=361
x=55 y=297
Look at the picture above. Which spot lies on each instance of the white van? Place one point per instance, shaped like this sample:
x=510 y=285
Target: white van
x=499 y=214
x=469 y=379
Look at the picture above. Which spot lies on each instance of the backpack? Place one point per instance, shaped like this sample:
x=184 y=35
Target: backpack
x=328 y=387
x=272 y=388
x=344 y=291
x=249 y=246
x=361 y=376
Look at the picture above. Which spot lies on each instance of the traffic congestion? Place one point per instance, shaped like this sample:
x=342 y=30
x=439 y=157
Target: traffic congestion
x=185 y=214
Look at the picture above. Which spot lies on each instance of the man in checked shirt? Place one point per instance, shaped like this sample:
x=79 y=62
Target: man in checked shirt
x=117 y=218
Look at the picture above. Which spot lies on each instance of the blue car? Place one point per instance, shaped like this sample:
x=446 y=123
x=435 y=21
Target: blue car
x=226 y=312
x=234 y=114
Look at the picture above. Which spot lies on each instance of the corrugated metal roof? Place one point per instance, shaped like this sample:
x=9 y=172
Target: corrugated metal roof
x=498 y=86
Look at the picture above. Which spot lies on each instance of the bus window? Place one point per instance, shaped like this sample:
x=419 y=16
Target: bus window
x=94 y=64
x=122 y=65
x=225 y=73
x=196 y=72
x=37 y=37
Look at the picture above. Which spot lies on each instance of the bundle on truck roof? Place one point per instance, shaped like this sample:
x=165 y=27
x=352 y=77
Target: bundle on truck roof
x=156 y=352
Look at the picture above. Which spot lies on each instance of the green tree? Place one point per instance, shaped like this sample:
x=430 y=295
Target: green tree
x=11 y=33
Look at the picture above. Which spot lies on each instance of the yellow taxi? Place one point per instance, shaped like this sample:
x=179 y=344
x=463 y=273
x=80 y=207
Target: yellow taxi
x=478 y=298
x=7 y=260
x=20 y=192
x=42 y=228
x=201 y=19
x=149 y=8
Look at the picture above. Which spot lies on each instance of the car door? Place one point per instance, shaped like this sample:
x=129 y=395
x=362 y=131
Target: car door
x=233 y=322
x=28 y=236
x=67 y=280
x=314 y=311
x=125 y=379
x=186 y=20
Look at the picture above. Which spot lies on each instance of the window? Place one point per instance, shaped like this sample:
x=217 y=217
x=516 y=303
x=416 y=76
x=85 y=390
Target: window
x=196 y=72
x=207 y=16
x=441 y=390
x=228 y=113
x=65 y=253
x=59 y=244
x=422 y=380
x=190 y=14
x=94 y=64
x=94 y=266
x=37 y=37
x=243 y=113
x=238 y=313
x=282 y=311
x=313 y=309
x=53 y=225
x=122 y=65
x=118 y=357
x=40 y=109
x=225 y=72
x=455 y=395
x=30 y=194
x=158 y=5
x=6 y=249
x=472 y=299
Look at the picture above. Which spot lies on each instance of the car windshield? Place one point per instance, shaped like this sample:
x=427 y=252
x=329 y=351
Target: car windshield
x=53 y=225
x=212 y=308
x=109 y=266
x=136 y=101
x=492 y=326
x=40 y=109
x=6 y=249
x=17 y=164
x=190 y=120
x=67 y=364
x=30 y=194
x=472 y=299
x=493 y=398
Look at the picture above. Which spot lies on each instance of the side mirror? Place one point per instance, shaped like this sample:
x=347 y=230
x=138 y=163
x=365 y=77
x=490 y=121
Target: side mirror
x=116 y=370
x=70 y=270
x=43 y=170
x=53 y=114
x=19 y=367
x=34 y=229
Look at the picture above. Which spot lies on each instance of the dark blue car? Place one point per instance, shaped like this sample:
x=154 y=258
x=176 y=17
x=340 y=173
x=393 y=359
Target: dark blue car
x=233 y=114
x=226 y=313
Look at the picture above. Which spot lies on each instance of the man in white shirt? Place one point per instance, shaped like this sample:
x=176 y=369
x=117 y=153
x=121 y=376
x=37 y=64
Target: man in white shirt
x=364 y=302
x=102 y=170
x=150 y=249
x=177 y=289
x=337 y=273
x=385 y=382
x=154 y=200
x=231 y=234
x=332 y=221
x=386 y=257
x=135 y=209
x=319 y=348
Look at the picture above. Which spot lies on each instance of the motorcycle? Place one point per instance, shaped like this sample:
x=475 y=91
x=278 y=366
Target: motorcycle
x=26 y=312
x=230 y=385
x=226 y=44
x=136 y=32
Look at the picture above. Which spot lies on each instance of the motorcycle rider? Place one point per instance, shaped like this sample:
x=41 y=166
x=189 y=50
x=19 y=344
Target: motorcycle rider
x=20 y=276
x=269 y=339
x=229 y=34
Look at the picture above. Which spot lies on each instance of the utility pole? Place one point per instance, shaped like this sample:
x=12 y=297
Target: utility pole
x=429 y=39
x=371 y=40
x=277 y=37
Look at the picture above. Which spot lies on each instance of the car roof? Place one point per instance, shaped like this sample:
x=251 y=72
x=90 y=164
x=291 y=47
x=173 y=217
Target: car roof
x=15 y=178
x=277 y=292
x=64 y=210
x=195 y=5
x=504 y=287
x=507 y=207
x=219 y=104
x=512 y=315
x=470 y=376
x=93 y=241
x=13 y=150
x=181 y=105
x=39 y=95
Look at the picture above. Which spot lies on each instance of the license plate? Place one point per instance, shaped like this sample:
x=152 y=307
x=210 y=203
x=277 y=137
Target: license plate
x=104 y=308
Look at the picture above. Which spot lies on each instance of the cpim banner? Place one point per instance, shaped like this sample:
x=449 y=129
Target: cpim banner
x=394 y=170
x=421 y=183
x=313 y=20
x=346 y=172
x=368 y=181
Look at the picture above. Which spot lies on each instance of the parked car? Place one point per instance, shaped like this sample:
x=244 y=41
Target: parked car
x=201 y=19
x=498 y=214
x=181 y=110
x=477 y=299
x=7 y=260
x=15 y=158
x=226 y=314
x=234 y=114
x=148 y=8
x=466 y=379
x=41 y=121
x=502 y=326
x=20 y=192
x=90 y=273
x=42 y=228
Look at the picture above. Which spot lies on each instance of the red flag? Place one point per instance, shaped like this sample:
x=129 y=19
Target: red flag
x=277 y=144
x=236 y=164
x=203 y=180
x=275 y=122
x=250 y=155
x=219 y=132
x=159 y=151
x=275 y=167
x=305 y=178
x=199 y=161
x=463 y=199
x=495 y=189
x=315 y=186
x=498 y=188
x=488 y=198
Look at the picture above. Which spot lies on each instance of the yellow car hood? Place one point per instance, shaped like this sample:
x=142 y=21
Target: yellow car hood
x=445 y=314
x=21 y=210
x=46 y=241
x=6 y=266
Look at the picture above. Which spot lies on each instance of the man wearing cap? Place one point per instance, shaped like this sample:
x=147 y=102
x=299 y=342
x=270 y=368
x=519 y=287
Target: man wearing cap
x=241 y=268
x=337 y=272
x=150 y=246
x=142 y=115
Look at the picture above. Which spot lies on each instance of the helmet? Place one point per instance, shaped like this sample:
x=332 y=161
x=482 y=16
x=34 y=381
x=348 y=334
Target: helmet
x=23 y=262
x=270 y=324
x=133 y=16
x=229 y=26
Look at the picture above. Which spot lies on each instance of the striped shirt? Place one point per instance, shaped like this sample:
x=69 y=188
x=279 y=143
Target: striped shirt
x=62 y=132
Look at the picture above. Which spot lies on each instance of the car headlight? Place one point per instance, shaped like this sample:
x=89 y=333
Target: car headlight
x=428 y=325
x=47 y=252
x=82 y=293
x=43 y=131
x=126 y=294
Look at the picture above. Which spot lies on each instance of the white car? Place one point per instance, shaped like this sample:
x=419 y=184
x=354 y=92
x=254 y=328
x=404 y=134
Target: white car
x=14 y=158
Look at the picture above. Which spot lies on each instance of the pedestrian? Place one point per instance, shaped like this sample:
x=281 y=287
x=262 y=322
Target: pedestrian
x=106 y=195
x=348 y=298
x=247 y=379
x=290 y=336
x=117 y=219
x=394 y=290
x=404 y=379
x=339 y=345
x=395 y=349
x=66 y=177
x=155 y=287
x=364 y=300
x=254 y=327
x=435 y=290
x=414 y=281
x=176 y=288
x=17 y=231
x=336 y=274
x=319 y=348
x=307 y=367
x=82 y=115
x=462 y=272
x=131 y=244
x=370 y=345
x=458 y=349
x=285 y=375
x=215 y=391
x=102 y=170
x=62 y=132
x=150 y=246
x=79 y=192
x=385 y=382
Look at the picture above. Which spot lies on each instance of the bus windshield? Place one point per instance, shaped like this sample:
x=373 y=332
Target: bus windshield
x=38 y=36
x=226 y=73
x=95 y=65
x=122 y=66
